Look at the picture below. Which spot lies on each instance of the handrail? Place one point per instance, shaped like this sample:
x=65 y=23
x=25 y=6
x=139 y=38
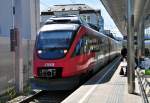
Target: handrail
x=143 y=93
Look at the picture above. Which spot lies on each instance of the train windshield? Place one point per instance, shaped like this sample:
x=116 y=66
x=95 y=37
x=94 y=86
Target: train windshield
x=53 y=44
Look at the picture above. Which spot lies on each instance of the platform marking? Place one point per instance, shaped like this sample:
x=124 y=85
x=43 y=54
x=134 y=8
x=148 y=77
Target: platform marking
x=92 y=89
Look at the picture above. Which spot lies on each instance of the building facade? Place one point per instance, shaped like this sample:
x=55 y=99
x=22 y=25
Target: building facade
x=84 y=11
x=101 y=24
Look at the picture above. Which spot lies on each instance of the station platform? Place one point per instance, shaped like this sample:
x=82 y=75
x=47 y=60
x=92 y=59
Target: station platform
x=107 y=86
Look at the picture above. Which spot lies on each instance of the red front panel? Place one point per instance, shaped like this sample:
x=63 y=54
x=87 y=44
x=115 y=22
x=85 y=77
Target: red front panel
x=70 y=67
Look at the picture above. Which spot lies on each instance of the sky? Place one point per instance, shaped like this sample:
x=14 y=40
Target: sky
x=96 y=4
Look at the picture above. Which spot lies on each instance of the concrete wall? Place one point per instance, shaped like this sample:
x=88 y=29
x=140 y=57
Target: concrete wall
x=30 y=17
x=6 y=19
x=27 y=21
x=6 y=57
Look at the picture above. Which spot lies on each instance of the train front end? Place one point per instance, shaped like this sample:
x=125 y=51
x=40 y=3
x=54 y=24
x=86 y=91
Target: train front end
x=52 y=67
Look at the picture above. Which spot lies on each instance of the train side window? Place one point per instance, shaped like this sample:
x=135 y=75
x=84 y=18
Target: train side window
x=95 y=44
x=77 y=49
x=81 y=47
x=104 y=45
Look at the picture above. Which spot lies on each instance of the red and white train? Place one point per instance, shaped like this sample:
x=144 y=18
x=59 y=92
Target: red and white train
x=67 y=48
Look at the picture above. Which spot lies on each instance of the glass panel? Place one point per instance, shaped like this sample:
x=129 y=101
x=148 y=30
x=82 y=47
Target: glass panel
x=53 y=44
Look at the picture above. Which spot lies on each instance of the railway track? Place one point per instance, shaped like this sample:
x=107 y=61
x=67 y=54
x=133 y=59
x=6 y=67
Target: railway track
x=47 y=97
x=31 y=97
x=52 y=96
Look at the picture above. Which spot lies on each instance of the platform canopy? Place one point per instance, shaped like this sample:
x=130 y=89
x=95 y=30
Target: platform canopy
x=118 y=11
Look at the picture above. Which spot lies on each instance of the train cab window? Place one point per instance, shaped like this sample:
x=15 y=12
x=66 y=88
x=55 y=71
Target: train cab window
x=53 y=44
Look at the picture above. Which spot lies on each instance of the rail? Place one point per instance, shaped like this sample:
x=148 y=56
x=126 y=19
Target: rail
x=31 y=97
x=144 y=85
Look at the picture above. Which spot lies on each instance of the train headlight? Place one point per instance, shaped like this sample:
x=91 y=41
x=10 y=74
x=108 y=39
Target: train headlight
x=65 y=51
x=39 y=51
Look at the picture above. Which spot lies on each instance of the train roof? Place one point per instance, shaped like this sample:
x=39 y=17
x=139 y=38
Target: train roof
x=64 y=19
x=54 y=27
x=99 y=34
x=67 y=22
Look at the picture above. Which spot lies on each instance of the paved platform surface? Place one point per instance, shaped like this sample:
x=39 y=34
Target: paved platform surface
x=114 y=90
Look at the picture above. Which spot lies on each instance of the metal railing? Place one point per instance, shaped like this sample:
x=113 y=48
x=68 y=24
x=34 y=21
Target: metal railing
x=144 y=85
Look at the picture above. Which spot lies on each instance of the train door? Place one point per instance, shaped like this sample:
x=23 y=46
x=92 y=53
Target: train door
x=83 y=57
x=109 y=52
x=106 y=50
x=96 y=49
x=103 y=50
